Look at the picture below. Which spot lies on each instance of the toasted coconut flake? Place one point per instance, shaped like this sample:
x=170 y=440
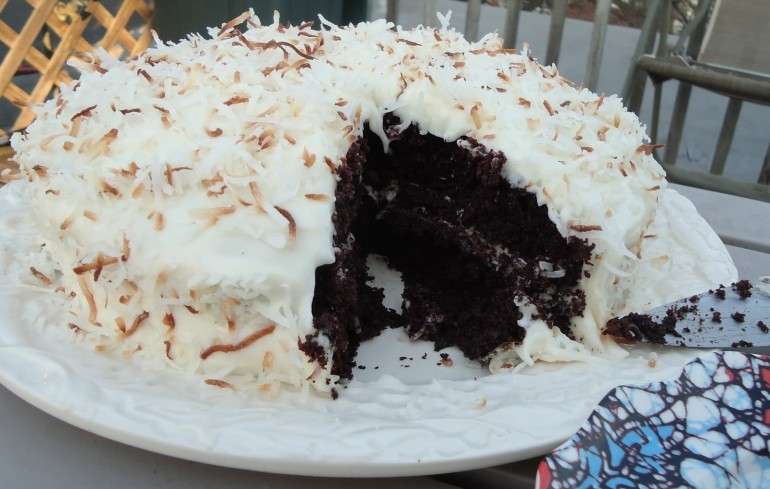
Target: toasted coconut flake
x=109 y=189
x=237 y=99
x=121 y=324
x=342 y=115
x=587 y=149
x=67 y=145
x=97 y=265
x=234 y=22
x=191 y=309
x=169 y=172
x=167 y=343
x=130 y=111
x=159 y=221
x=161 y=109
x=217 y=193
x=408 y=42
x=290 y=219
x=318 y=197
x=40 y=276
x=616 y=120
x=74 y=327
x=524 y=102
x=258 y=200
x=130 y=172
x=83 y=113
x=124 y=299
x=227 y=305
x=40 y=170
x=75 y=127
x=51 y=191
x=341 y=102
x=219 y=383
x=648 y=149
x=548 y=107
x=475 y=115
x=144 y=74
x=308 y=157
x=501 y=76
x=90 y=215
x=214 y=133
x=584 y=228
x=267 y=361
x=654 y=189
x=65 y=224
x=126 y=249
x=169 y=321
x=330 y=164
x=246 y=342
x=141 y=318
x=212 y=215
x=290 y=139
x=602 y=133
x=89 y=297
x=138 y=191
x=208 y=182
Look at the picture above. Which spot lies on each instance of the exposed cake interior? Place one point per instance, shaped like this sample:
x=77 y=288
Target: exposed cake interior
x=471 y=249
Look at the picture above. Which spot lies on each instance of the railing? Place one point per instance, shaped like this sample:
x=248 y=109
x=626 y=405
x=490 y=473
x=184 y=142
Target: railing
x=653 y=44
x=512 y=15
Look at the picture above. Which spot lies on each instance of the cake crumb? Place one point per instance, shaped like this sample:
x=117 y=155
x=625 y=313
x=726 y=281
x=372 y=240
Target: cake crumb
x=446 y=360
x=652 y=360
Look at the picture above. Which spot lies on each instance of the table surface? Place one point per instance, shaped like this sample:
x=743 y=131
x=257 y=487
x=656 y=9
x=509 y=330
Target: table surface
x=39 y=451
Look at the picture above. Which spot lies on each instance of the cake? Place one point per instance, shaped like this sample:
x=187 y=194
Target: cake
x=209 y=205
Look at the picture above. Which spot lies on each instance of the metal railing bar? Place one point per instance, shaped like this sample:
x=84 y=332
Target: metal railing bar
x=601 y=18
x=764 y=173
x=726 y=136
x=633 y=86
x=472 y=18
x=676 y=128
x=391 y=11
x=512 y=14
x=429 y=13
x=558 y=16
x=700 y=14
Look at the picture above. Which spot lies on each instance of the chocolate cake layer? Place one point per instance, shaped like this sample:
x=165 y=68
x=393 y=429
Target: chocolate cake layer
x=466 y=243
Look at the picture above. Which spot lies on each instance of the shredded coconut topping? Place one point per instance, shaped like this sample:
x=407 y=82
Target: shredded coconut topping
x=220 y=142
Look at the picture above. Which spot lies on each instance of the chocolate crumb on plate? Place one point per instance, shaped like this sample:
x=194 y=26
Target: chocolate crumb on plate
x=743 y=287
x=763 y=327
x=738 y=317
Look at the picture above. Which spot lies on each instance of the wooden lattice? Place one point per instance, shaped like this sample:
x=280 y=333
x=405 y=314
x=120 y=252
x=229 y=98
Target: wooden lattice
x=67 y=19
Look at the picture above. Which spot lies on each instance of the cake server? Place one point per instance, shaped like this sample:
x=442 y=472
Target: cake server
x=735 y=316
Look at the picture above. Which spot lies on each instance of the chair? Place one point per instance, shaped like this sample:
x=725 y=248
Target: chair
x=725 y=48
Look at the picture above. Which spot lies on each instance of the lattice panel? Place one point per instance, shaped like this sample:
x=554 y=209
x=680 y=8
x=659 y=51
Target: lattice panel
x=64 y=27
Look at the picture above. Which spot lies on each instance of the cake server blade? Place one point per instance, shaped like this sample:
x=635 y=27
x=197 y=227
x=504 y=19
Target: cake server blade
x=735 y=316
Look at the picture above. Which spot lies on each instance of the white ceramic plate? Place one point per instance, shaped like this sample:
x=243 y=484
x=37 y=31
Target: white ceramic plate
x=406 y=417
x=392 y=421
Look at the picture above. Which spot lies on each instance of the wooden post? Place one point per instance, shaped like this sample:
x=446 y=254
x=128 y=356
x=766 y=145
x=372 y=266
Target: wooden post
x=512 y=11
x=726 y=135
x=558 y=16
x=601 y=18
x=472 y=18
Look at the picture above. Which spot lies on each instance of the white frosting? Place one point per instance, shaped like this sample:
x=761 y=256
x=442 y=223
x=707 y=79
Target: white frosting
x=202 y=174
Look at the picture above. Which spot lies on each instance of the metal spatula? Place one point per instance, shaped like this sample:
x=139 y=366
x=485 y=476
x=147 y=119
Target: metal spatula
x=735 y=316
